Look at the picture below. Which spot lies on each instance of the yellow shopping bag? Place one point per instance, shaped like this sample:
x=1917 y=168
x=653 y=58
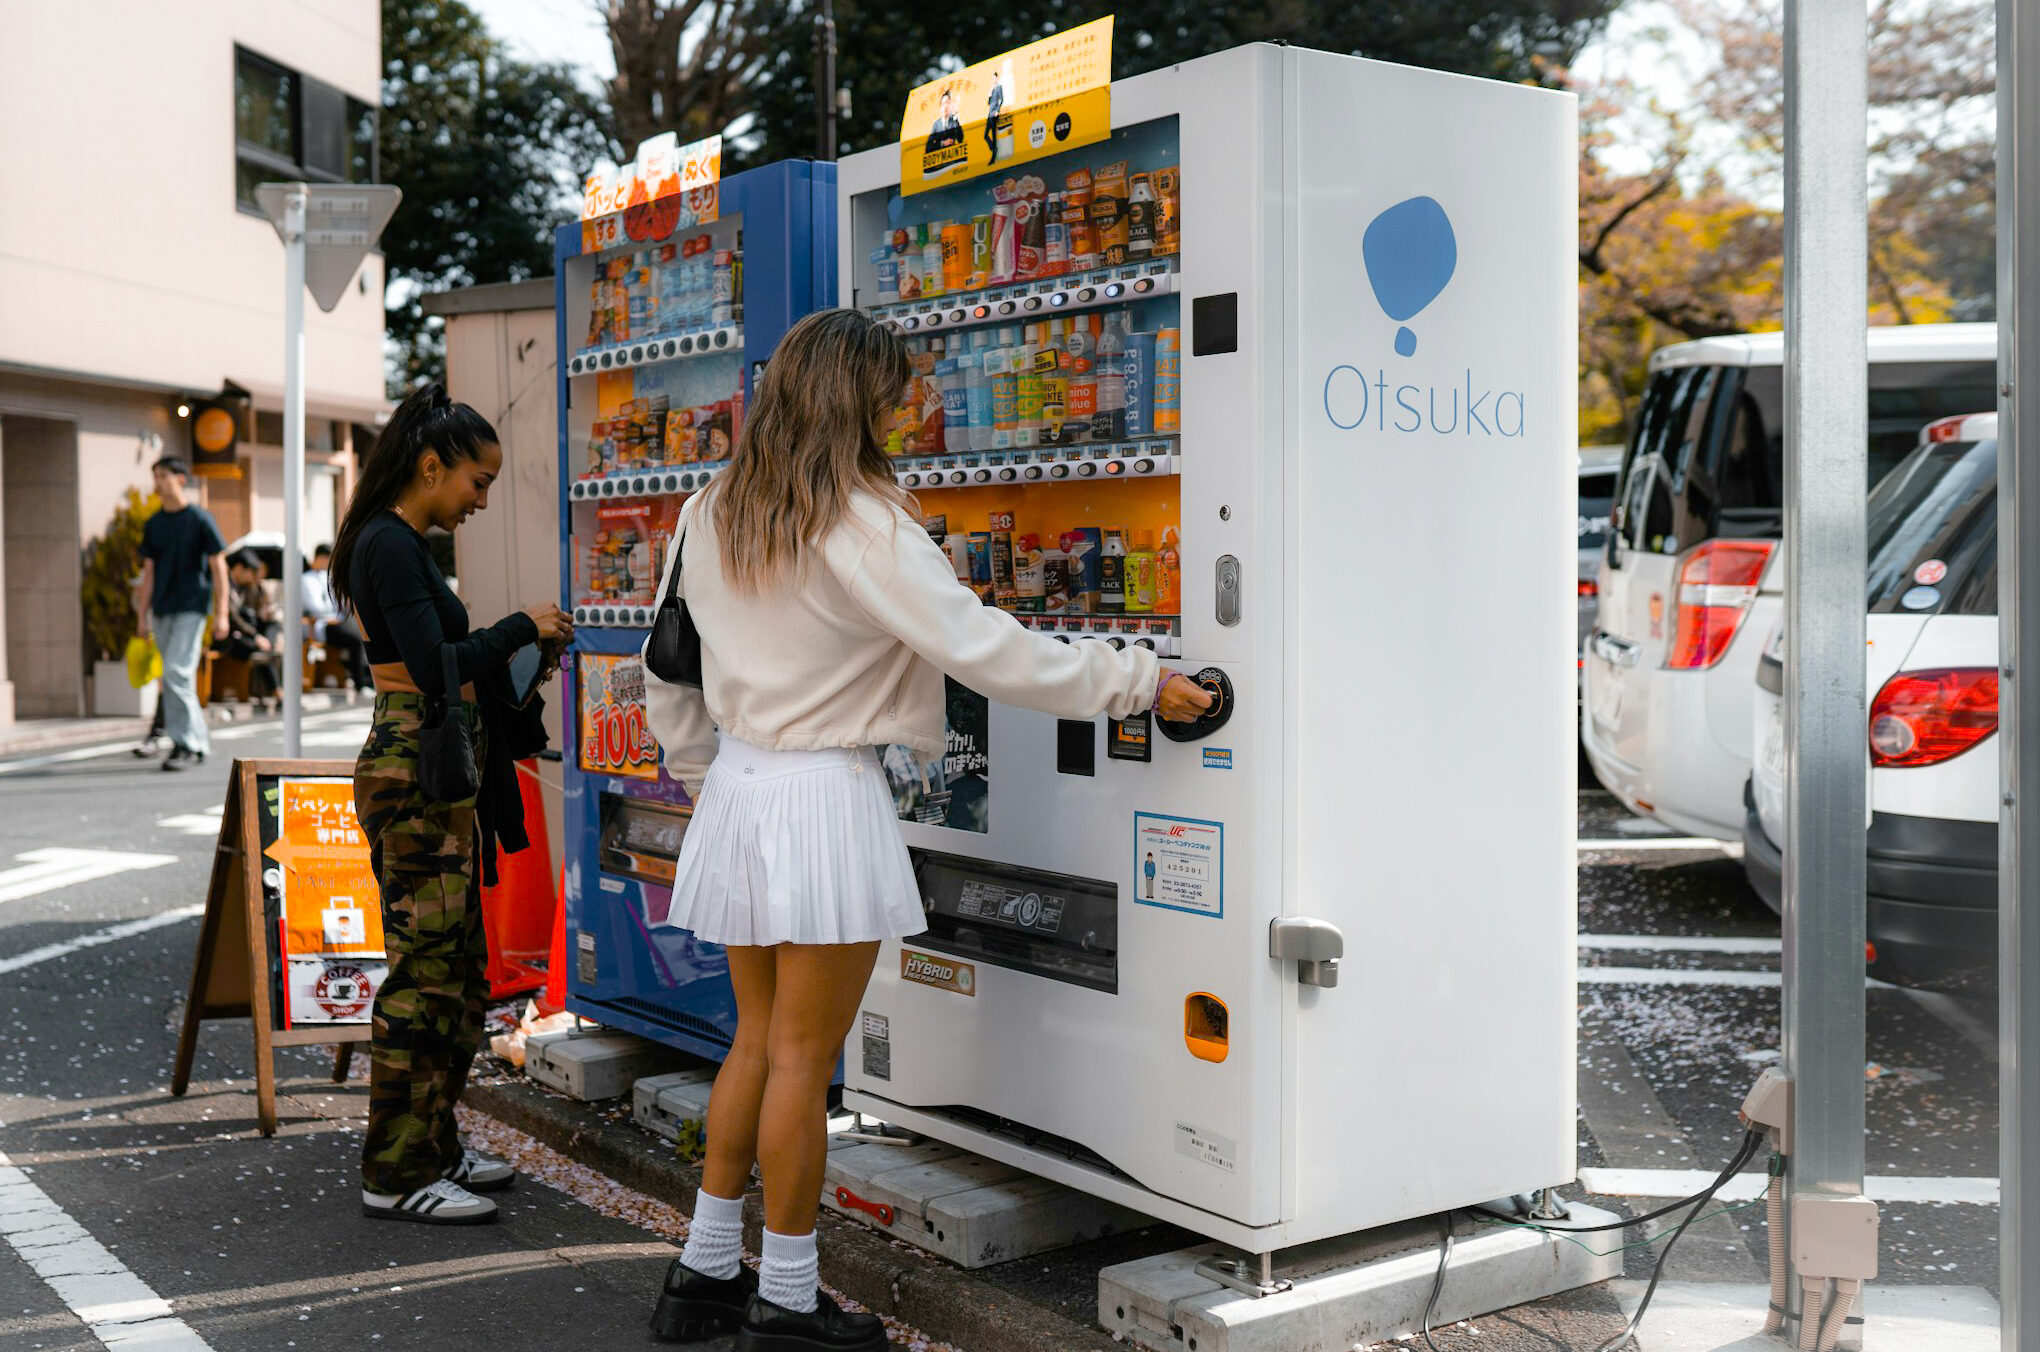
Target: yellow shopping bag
x=144 y=662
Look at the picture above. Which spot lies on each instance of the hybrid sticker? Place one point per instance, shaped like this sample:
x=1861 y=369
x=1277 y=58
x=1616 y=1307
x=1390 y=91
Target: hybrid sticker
x=1218 y=758
x=944 y=974
x=1206 y=1147
x=1179 y=864
x=1930 y=572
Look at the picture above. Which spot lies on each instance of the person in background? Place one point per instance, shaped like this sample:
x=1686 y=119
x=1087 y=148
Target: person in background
x=327 y=623
x=430 y=470
x=183 y=570
x=254 y=629
x=827 y=619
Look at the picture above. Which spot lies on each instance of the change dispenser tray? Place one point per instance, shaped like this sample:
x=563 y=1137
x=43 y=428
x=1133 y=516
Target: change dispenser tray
x=1051 y=924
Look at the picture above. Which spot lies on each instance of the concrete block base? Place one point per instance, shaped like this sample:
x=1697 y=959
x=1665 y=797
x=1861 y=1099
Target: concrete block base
x=590 y=1064
x=675 y=1106
x=965 y=1208
x=1349 y=1291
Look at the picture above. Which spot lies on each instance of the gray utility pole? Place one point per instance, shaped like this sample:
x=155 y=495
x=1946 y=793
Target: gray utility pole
x=826 y=136
x=2018 y=304
x=1826 y=450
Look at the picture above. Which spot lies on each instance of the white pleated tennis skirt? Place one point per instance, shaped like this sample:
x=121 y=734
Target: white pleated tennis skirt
x=795 y=847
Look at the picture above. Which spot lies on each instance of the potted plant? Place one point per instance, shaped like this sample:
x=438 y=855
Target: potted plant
x=112 y=563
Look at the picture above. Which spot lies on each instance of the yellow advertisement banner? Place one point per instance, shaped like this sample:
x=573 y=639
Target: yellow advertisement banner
x=1030 y=103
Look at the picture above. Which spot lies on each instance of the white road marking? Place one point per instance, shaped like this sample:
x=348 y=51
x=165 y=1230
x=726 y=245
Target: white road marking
x=98 y=937
x=1672 y=976
x=1688 y=843
x=1745 y=1187
x=119 y=1307
x=46 y=870
x=1681 y=943
x=205 y=822
x=231 y=733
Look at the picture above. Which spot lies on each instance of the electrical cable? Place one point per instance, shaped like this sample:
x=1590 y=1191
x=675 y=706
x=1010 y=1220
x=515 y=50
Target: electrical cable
x=1751 y=1140
x=1743 y=1153
x=1567 y=1236
x=1438 y=1283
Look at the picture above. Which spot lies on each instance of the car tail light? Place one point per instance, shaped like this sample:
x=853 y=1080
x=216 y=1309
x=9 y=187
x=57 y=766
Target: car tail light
x=1926 y=717
x=1588 y=587
x=1717 y=583
x=1946 y=429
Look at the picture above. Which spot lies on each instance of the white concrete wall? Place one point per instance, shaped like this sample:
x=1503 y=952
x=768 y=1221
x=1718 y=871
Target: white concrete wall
x=122 y=253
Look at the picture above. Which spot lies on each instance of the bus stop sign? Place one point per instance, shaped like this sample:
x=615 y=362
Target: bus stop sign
x=343 y=221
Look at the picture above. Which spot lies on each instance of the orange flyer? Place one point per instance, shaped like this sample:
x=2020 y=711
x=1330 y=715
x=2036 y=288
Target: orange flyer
x=331 y=903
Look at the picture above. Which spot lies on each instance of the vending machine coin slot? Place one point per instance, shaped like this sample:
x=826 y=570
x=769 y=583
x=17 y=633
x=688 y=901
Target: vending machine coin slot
x=1131 y=739
x=1212 y=719
x=1076 y=747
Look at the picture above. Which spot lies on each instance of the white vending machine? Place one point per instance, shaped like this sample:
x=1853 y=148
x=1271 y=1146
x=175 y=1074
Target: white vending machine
x=1297 y=409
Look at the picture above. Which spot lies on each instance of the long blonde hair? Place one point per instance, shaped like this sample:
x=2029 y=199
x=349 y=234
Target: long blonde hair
x=813 y=437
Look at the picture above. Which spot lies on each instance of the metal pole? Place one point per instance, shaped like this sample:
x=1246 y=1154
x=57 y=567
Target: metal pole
x=293 y=465
x=1826 y=440
x=2018 y=304
x=825 y=82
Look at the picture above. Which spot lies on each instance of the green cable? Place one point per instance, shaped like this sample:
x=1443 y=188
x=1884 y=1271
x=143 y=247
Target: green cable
x=1621 y=1248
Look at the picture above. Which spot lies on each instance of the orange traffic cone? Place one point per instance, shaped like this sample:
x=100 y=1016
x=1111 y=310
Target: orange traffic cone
x=553 y=999
x=517 y=910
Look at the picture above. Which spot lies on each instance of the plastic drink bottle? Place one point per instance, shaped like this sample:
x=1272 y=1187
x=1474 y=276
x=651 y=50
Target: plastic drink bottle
x=1140 y=220
x=1109 y=422
x=1005 y=389
x=950 y=373
x=1028 y=382
x=1140 y=577
x=1169 y=575
x=1081 y=404
x=977 y=385
x=1055 y=385
x=1112 y=574
x=931 y=258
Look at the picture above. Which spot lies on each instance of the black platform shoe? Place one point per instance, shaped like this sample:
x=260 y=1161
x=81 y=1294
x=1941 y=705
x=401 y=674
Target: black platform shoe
x=694 y=1307
x=826 y=1328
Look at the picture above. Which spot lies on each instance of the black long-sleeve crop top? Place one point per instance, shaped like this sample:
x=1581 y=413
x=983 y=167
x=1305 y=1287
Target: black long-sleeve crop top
x=408 y=612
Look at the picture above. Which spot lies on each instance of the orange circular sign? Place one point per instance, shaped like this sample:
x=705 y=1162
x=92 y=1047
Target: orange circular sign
x=214 y=430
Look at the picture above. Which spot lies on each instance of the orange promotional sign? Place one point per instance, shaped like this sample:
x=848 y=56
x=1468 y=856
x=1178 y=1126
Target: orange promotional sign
x=665 y=187
x=330 y=901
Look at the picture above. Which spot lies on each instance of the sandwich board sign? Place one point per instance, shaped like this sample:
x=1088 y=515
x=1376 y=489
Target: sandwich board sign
x=343 y=221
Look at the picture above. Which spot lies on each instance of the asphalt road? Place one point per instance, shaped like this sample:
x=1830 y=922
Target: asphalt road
x=259 y=1244
x=253 y=1244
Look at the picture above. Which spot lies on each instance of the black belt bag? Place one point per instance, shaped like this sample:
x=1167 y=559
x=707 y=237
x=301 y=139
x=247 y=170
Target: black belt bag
x=447 y=772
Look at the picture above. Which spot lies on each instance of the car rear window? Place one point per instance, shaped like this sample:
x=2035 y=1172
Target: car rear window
x=1904 y=397
x=1933 y=532
x=1597 y=499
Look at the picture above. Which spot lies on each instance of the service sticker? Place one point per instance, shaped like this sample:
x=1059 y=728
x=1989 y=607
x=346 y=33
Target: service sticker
x=1207 y=1147
x=1921 y=598
x=1179 y=864
x=1930 y=572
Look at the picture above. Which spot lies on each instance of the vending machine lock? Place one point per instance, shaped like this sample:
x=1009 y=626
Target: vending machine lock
x=1315 y=946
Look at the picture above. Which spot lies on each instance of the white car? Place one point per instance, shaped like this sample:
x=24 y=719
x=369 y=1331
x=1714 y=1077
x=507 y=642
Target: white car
x=1933 y=705
x=1691 y=584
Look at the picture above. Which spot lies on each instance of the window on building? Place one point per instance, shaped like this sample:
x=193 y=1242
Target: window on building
x=289 y=127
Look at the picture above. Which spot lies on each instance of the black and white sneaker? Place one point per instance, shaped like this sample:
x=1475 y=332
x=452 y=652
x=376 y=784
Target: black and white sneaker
x=147 y=747
x=440 y=1203
x=480 y=1173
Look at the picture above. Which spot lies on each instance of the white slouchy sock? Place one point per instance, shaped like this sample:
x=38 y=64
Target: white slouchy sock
x=715 y=1237
x=791 y=1273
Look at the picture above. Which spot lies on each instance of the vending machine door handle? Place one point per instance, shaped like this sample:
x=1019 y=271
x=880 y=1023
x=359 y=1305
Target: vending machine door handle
x=1315 y=946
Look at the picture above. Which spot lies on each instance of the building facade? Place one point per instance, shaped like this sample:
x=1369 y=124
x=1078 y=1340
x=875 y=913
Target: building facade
x=138 y=282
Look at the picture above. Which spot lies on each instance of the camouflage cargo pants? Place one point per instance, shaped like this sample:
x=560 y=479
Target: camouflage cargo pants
x=428 y=1014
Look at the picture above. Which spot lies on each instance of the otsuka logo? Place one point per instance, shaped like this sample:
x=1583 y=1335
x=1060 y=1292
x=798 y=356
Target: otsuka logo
x=1411 y=255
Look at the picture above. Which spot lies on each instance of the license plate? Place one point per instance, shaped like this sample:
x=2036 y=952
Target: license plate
x=1774 y=743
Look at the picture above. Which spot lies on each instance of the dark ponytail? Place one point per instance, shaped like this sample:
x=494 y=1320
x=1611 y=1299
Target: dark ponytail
x=427 y=421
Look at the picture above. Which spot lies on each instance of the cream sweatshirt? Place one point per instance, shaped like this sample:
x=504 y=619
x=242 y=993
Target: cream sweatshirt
x=854 y=654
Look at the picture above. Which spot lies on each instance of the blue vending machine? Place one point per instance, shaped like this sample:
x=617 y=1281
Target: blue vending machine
x=666 y=313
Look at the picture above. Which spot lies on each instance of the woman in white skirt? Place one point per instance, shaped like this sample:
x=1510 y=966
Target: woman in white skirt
x=828 y=618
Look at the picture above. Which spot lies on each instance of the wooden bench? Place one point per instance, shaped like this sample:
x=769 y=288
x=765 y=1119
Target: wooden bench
x=323 y=666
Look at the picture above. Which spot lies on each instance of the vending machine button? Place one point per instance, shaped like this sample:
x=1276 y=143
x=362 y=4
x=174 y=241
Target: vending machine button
x=1088 y=470
x=1143 y=467
x=1086 y=295
x=1008 y=475
x=1144 y=285
x=1033 y=472
x=983 y=476
x=1032 y=303
x=687 y=345
x=1059 y=299
x=1114 y=290
x=957 y=316
x=911 y=480
x=1058 y=471
x=1115 y=467
x=912 y=322
x=1116 y=641
x=1147 y=643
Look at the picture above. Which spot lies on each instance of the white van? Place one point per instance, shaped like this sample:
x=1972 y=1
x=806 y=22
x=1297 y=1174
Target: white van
x=1691 y=582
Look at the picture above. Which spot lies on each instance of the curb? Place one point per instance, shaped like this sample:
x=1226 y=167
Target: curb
x=941 y=1301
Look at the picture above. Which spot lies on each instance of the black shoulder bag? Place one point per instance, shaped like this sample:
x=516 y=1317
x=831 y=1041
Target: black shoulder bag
x=673 y=652
x=447 y=772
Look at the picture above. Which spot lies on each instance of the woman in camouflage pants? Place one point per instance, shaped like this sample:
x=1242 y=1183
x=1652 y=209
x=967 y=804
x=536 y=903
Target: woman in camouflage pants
x=430 y=468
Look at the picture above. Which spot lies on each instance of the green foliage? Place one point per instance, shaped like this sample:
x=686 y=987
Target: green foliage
x=886 y=49
x=111 y=564
x=489 y=151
